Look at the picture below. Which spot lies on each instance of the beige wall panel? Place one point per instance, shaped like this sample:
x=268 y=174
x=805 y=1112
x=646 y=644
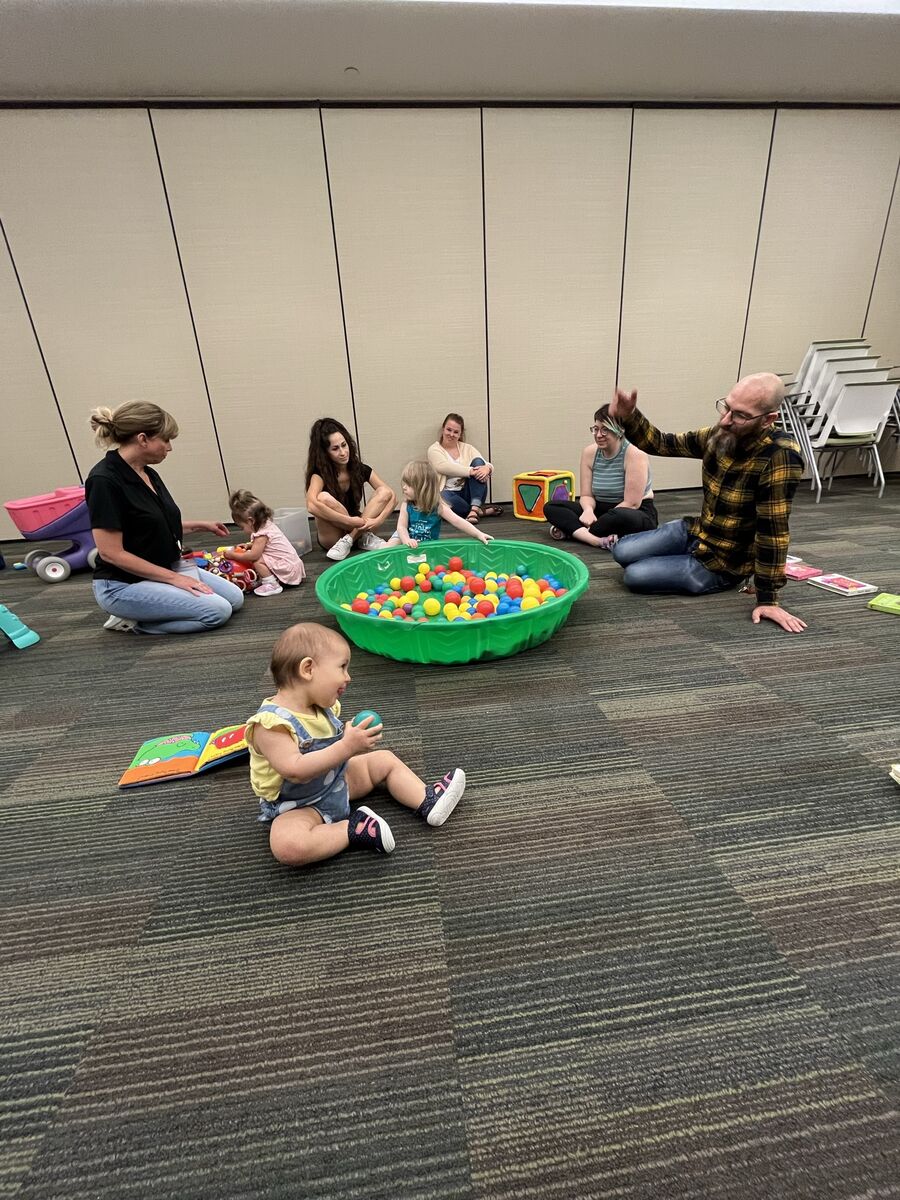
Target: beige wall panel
x=86 y=216
x=555 y=190
x=35 y=455
x=696 y=189
x=406 y=190
x=883 y=324
x=249 y=201
x=826 y=202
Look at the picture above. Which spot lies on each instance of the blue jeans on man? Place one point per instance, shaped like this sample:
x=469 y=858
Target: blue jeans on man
x=471 y=495
x=662 y=560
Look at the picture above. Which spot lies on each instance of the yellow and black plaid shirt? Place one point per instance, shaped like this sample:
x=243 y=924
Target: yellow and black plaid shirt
x=743 y=528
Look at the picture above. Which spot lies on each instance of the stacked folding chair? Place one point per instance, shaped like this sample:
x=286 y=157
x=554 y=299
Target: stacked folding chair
x=842 y=399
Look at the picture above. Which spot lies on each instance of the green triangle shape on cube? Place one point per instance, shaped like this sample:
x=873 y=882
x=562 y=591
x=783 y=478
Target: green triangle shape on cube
x=529 y=494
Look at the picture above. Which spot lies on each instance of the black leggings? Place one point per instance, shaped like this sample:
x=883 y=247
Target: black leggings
x=566 y=515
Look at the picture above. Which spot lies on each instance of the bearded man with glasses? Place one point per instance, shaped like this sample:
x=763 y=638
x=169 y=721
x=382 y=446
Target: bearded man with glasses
x=750 y=473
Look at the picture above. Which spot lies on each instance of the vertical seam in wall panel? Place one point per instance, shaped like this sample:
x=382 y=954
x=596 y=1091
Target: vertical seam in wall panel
x=487 y=344
x=187 y=297
x=624 y=247
x=762 y=206
x=337 y=267
x=887 y=219
x=37 y=342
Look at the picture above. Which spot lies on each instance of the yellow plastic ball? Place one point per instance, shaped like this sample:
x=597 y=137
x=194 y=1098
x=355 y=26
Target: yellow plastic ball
x=411 y=598
x=450 y=611
x=432 y=607
x=423 y=569
x=395 y=583
x=465 y=616
x=491 y=586
x=347 y=606
x=529 y=602
x=386 y=614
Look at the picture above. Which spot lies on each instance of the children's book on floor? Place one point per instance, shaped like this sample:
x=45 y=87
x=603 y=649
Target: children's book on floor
x=801 y=570
x=181 y=755
x=886 y=602
x=843 y=585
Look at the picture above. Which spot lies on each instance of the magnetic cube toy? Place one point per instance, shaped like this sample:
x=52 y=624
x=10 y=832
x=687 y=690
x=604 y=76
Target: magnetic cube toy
x=533 y=489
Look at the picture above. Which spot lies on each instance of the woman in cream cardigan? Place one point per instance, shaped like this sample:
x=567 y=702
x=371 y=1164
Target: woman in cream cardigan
x=464 y=473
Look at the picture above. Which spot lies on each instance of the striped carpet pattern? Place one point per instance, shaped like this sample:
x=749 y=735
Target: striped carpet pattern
x=652 y=956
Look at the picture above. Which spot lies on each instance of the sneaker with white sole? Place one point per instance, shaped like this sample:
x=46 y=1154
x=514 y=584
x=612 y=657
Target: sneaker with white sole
x=340 y=549
x=442 y=797
x=371 y=541
x=119 y=624
x=272 y=588
x=367 y=831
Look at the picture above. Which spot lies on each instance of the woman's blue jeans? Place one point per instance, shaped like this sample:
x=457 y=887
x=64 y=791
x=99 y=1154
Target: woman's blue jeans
x=471 y=495
x=662 y=560
x=162 y=608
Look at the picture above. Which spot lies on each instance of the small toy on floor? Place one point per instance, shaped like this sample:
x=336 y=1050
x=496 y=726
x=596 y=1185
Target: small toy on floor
x=16 y=629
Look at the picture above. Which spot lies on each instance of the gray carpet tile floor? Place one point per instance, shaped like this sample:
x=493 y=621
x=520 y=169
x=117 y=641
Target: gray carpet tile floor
x=654 y=953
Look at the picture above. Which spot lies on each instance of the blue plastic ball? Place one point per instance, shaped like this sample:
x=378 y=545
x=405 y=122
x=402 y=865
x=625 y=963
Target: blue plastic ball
x=367 y=712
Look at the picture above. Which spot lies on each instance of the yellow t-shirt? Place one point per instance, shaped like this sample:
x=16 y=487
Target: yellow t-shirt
x=264 y=779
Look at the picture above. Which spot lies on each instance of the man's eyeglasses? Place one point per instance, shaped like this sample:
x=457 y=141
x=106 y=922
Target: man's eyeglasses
x=724 y=407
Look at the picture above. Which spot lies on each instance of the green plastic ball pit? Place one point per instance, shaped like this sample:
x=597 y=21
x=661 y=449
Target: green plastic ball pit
x=438 y=641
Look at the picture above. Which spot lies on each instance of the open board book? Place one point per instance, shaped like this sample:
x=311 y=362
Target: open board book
x=183 y=754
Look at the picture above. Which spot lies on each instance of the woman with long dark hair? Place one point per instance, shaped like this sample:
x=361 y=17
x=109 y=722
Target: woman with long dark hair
x=335 y=492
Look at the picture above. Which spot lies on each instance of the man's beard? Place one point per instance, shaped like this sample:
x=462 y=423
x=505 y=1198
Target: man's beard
x=726 y=442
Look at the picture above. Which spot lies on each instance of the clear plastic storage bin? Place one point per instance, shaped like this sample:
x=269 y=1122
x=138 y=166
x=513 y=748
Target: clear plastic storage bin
x=294 y=524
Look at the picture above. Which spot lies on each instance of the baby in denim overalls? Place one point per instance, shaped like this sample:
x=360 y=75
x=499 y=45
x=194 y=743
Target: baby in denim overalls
x=308 y=769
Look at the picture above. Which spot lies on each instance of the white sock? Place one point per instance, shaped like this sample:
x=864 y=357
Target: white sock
x=266 y=579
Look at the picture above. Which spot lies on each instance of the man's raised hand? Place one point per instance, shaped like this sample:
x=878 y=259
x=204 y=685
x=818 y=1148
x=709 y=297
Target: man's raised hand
x=623 y=405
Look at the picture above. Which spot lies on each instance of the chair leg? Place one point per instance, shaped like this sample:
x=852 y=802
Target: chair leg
x=879 y=469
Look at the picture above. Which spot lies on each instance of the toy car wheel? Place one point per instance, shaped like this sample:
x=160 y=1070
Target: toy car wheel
x=92 y=557
x=52 y=570
x=33 y=557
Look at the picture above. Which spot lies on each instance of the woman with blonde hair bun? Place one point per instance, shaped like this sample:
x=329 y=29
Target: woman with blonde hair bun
x=140 y=578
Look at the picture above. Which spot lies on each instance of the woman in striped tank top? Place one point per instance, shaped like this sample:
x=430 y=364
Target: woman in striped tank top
x=616 y=490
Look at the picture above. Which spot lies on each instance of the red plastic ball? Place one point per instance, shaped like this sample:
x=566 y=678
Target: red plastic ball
x=476 y=584
x=455 y=563
x=485 y=608
x=452 y=597
x=360 y=606
x=426 y=585
x=407 y=583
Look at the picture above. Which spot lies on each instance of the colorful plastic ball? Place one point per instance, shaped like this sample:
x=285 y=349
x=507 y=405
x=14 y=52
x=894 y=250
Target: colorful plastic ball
x=476 y=585
x=424 y=568
x=529 y=602
x=432 y=607
x=426 y=585
x=485 y=608
x=367 y=712
x=347 y=606
x=455 y=563
x=452 y=597
x=360 y=605
x=407 y=608
x=399 y=614
x=395 y=583
x=387 y=614
x=522 y=569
